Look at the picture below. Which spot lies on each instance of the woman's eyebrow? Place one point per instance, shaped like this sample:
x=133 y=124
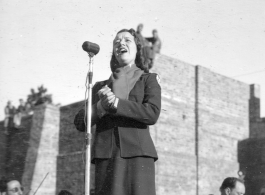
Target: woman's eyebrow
x=116 y=39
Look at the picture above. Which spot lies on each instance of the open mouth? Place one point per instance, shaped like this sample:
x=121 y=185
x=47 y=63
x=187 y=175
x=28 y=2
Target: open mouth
x=122 y=50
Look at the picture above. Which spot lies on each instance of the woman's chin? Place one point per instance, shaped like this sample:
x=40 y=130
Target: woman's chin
x=123 y=63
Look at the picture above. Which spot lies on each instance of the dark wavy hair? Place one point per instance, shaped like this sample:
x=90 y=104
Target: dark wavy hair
x=64 y=192
x=139 y=60
x=230 y=182
x=3 y=183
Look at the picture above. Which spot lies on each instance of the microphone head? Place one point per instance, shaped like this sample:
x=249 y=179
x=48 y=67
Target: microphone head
x=91 y=47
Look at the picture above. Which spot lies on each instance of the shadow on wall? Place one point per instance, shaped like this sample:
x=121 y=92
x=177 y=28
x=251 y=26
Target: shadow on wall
x=251 y=151
x=251 y=157
x=14 y=149
x=71 y=157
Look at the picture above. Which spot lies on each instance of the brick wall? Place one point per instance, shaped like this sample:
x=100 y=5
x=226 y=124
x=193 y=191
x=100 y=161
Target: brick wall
x=222 y=122
x=174 y=133
x=204 y=116
x=40 y=172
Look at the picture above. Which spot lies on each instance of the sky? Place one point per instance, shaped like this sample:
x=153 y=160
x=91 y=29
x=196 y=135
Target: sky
x=40 y=40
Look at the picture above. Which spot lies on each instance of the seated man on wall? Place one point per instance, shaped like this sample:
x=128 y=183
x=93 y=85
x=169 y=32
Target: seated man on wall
x=155 y=41
x=146 y=49
x=155 y=46
x=232 y=186
x=10 y=111
x=20 y=112
x=12 y=187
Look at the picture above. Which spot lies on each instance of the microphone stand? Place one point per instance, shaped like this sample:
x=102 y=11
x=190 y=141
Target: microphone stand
x=88 y=132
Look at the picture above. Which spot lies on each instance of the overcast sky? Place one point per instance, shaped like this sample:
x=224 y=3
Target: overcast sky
x=40 y=40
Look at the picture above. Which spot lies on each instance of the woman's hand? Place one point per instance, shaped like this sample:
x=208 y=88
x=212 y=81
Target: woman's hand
x=107 y=97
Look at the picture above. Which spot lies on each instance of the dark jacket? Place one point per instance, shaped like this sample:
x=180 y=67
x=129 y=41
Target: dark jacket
x=132 y=120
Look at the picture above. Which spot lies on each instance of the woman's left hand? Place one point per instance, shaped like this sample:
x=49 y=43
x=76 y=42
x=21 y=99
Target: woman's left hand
x=107 y=97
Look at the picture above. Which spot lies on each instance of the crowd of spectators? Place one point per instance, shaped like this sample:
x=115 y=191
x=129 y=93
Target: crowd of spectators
x=13 y=115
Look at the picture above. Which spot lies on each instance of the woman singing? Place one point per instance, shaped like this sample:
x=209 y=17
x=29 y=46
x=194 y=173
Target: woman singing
x=123 y=107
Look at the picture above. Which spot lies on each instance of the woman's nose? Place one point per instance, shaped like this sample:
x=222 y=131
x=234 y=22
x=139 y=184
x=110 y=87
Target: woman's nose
x=122 y=42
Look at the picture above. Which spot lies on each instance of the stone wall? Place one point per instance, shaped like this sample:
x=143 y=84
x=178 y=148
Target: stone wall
x=40 y=172
x=222 y=122
x=174 y=133
x=204 y=116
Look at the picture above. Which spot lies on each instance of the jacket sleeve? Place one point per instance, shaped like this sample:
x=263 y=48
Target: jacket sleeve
x=148 y=111
x=80 y=118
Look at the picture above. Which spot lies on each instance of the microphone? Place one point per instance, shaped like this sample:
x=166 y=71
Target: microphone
x=91 y=47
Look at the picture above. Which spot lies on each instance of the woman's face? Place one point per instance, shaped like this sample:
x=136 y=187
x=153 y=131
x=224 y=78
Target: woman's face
x=124 y=48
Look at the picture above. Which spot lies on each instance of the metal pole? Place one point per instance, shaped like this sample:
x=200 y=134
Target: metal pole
x=88 y=132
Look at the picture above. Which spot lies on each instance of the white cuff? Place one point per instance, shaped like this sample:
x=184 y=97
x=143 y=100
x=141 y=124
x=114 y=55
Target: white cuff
x=116 y=103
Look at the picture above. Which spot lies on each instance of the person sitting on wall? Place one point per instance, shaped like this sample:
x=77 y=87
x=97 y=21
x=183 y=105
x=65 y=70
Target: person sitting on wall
x=12 y=187
x=155 y=41
x=20 y=113
x=232 y=186
x=155 y=46
x=22 y=107
x=10 y=111
x=139 y=34
x=28 y=109
x=146 y=49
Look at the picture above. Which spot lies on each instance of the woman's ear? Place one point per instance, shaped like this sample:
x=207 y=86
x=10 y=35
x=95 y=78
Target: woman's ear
x=227 y=191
